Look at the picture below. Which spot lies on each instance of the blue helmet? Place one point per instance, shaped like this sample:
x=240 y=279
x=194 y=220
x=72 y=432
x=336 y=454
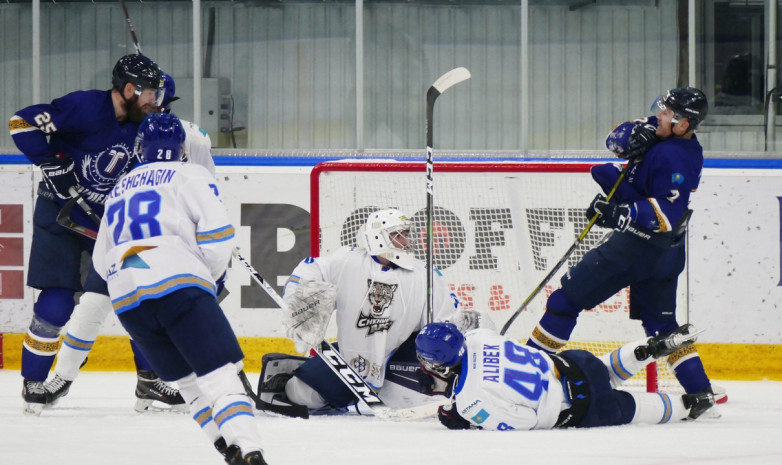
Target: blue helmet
x=440 y=345
x=161 y=137
x=168 y=96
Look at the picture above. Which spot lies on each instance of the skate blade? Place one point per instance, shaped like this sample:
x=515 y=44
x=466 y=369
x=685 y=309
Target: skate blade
x=30 y=408
x=149 y=405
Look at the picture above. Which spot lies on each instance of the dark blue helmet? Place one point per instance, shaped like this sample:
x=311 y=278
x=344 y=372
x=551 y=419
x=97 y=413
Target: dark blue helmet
x=161 y=137
x=684 y=102
x=140 y=71
x=439 y=345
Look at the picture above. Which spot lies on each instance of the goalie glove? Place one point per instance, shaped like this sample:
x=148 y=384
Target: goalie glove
x=611 y=215
x=59 y=175
x=465 y=320
x=309 y=310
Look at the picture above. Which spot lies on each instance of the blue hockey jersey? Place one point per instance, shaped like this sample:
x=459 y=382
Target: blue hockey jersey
x=81 y=126
x=660 y=183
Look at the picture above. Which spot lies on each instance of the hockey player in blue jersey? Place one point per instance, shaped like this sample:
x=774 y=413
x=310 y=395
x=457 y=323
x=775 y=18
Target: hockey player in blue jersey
x=649 y=214
x=163 y=246
x=495 y=383
x=83 y=143
x=93 y=308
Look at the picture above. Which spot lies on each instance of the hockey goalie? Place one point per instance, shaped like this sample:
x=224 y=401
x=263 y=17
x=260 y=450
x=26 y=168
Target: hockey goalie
x=378 y=292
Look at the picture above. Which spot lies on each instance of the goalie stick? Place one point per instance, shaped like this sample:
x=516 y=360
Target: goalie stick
x=64 y=216
x=369 y=402
x=567 y=254
x=443 y=83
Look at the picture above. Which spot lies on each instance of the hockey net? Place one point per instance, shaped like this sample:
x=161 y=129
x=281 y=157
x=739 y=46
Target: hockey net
x=498 y=229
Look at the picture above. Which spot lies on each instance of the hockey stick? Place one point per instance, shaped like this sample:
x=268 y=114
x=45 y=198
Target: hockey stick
x=64 y=216
x=130 y=26
x=567 y=254
x=442 y=84
x=367 y=397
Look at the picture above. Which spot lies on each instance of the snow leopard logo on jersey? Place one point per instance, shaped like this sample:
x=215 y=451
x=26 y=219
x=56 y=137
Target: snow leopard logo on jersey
x=380 y=297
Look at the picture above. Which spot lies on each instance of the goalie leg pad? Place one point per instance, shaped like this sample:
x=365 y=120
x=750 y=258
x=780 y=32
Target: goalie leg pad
x=276 y=370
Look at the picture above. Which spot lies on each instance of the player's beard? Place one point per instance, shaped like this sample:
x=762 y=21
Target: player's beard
x=136 y=112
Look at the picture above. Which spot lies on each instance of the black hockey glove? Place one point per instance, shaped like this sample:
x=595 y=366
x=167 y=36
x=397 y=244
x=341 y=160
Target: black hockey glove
x=642 y=138
x=432 y=384
x=60 y=175
x=449 y=417
x=611 y=215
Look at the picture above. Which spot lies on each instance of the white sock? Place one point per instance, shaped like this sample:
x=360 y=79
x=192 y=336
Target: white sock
x=657 y=408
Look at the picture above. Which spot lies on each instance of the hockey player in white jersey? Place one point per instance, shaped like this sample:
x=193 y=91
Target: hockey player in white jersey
x=93 y=308
x=379 y=293
x=496 y=383
x=163 y=245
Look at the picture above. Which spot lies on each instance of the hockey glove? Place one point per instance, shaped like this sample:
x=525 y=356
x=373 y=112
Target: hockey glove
x=449 y=417
x=642 y=138
x=611 y=215
x=60 y=175
x=432 y=383
x=310 y=305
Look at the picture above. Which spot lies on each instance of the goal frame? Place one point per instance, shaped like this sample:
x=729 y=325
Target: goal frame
x=450 y=166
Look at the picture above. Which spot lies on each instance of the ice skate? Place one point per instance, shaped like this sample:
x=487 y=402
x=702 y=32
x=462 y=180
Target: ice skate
x=254 y=458
x=56 y=388
x=660 y=346
x=699 y=403
x=34 y=397
x=152 y=394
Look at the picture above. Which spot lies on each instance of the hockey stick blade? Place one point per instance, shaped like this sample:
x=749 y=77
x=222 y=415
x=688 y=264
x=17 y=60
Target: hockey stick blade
x=451 y=78
x=64 y=220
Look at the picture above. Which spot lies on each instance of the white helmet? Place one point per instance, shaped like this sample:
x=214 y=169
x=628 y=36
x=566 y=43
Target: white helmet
x=377 y=233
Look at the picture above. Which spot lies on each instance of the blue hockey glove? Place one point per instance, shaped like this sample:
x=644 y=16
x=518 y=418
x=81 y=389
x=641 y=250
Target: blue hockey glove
x=611 y=215
x=60 y=175
x=449 y=417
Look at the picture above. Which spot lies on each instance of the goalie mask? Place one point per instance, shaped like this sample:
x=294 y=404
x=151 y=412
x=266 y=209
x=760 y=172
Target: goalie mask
x=440 y=347
x=386 y=236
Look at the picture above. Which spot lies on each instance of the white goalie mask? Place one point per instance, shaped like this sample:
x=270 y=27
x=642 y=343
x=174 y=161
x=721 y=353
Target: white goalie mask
x=386 y=236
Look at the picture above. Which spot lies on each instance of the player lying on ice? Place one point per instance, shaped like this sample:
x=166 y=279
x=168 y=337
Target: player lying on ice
x=379 y=294
x=496 y=383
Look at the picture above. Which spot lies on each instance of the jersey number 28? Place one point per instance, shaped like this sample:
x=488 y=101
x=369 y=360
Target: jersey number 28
x=140 y=213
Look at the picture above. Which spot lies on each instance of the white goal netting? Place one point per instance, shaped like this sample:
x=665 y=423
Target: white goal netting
x=498 y=230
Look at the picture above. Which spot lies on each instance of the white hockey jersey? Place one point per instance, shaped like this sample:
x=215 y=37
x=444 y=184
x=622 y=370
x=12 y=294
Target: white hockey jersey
x=198 y=146
x=504 y=385
x=164 y=228
x=377 y=307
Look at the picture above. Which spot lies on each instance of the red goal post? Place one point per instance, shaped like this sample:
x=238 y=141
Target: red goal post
x=498 y=228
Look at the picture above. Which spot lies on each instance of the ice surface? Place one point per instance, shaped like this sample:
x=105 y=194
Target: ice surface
x=96 y=424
